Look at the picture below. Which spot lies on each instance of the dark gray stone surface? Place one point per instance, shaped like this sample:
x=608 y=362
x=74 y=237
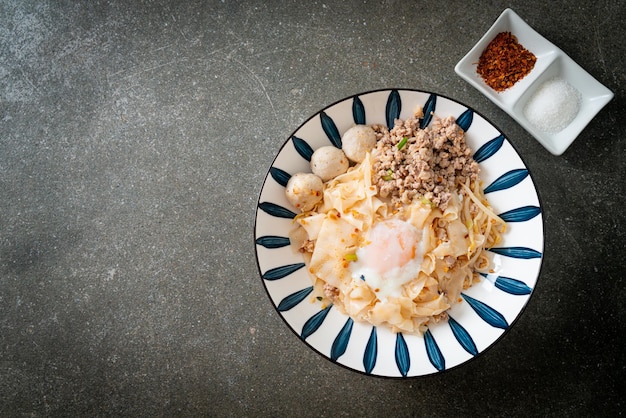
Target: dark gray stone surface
x=134 y=137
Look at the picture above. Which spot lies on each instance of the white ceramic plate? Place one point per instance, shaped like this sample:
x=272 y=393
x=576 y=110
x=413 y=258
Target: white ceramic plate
x=488 y=309
x=551 y=62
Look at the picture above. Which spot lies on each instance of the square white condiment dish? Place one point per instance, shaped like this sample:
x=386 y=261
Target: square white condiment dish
x=551 y=62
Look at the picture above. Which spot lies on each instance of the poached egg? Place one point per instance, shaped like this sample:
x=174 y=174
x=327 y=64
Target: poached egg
x=391 y=257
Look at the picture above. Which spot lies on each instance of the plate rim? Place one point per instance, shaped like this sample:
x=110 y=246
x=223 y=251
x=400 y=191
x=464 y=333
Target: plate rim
x=267 y=175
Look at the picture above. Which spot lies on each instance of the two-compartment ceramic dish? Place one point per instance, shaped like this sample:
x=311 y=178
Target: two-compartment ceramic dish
x=551 y=62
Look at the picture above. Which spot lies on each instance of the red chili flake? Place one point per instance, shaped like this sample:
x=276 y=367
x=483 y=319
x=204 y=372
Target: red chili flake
x=504 y=62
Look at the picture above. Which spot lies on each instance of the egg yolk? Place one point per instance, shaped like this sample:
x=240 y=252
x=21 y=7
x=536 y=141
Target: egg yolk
x=390 y=259
x=391 y=244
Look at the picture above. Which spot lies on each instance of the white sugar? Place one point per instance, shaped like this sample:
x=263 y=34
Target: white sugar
x=553 y=106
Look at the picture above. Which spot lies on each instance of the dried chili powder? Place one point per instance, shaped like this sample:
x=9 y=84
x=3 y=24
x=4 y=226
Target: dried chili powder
x=504 y=62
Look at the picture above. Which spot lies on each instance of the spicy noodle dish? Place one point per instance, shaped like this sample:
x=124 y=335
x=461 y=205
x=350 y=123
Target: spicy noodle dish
x=394 y=225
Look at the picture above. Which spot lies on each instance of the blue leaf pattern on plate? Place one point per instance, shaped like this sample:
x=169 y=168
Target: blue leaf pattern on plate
x=429 y=110
x=465 y=120
x=295 y=298
x=433 y=351
x=276 y=210
x=522 y=214
x=508 y=284
x=462 y=336
x=402 y=355
x=517 y=252
x=330 y=129
x=302 y=147
x=393 y=109
x=341 y=341
x=489 y=149
x=512 y=286
x=281 y=176
x=273 y=241
x=358 y=111
x=282 y=271
x=371 y=352
x=507 y=180
x=313 y=323
x=486 y=312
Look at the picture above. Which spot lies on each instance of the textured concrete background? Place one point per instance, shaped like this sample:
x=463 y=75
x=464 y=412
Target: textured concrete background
x=134 y=137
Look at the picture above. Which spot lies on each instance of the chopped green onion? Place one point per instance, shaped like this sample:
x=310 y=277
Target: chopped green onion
x=402 y=143
x=389 y=175
x=427 y=202
x=350 y=257
x=319 y=298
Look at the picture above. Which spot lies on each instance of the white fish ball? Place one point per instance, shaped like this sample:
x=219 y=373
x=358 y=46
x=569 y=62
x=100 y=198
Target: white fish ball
x=357 y=141
x=304 y=191
x=328 y=162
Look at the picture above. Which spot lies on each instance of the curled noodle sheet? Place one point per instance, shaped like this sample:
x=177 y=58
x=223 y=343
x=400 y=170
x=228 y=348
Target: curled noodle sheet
x=334 y=241
x=353 y=196
x=349 y=207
